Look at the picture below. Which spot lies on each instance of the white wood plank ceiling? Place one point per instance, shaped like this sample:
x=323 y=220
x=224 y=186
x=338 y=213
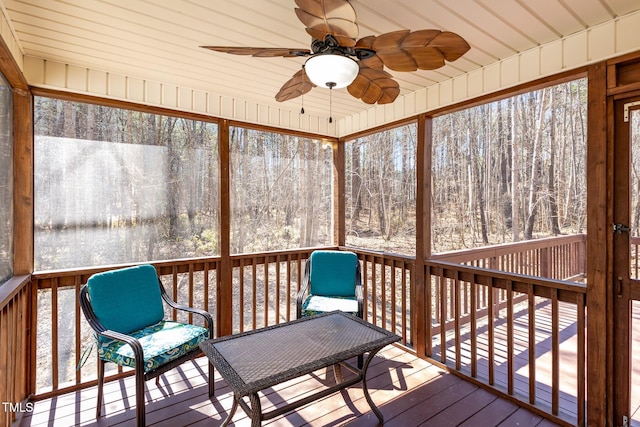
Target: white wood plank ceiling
x=159 y=39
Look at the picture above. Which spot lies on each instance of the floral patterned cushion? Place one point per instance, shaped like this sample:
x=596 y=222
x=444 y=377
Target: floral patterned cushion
x=316 y=304
x=161 y=343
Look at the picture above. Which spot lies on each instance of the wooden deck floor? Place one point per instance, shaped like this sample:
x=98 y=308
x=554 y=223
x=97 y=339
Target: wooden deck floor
x=409 y=392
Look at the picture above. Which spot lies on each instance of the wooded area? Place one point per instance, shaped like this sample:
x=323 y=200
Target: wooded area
x=115 y=186
x=137 y=186
x=119 y=186
x=511 y=170
x=281 y=191
x=380 y=198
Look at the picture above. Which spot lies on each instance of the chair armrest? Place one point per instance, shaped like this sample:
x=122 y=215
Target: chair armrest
x=303 y=289
x=207 y=317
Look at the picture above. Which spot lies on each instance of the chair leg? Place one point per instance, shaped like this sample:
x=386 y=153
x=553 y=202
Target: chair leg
x=100 y=384
x=140 y=409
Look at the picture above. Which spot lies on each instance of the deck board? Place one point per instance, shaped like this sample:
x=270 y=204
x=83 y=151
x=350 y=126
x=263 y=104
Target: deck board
x=409 y=392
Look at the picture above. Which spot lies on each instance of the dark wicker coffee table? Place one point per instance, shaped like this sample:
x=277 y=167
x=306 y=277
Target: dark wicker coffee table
x=259 y=359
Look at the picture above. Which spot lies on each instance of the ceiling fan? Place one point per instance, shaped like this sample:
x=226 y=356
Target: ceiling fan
x=337 y=59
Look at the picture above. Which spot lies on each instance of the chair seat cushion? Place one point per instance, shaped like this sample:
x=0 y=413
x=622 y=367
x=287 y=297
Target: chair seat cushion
x=316 y=304
x=161 y=343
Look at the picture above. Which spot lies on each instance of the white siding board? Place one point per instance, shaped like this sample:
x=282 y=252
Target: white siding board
x=169 y=96
x=185 y=99
x=530 y=64
x=510 y=71
x=117 y=86
x=34 y=70
x=627 y=33
x=475 y=84
x=575 y=50
x=492 y=77
x=551 y=59
x=460 y=87
x=226 y=107
x=55 y=74
x=135 y=89
x=153 y=92
x=602 y=41
x=97 y=82
x=214 y=104
x=200 y=101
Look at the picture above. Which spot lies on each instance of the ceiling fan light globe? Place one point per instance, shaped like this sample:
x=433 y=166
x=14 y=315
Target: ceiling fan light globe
x=331 y=70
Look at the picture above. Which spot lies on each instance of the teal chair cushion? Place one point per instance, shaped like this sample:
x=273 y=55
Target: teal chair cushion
x=333 y=273
x=316 y=304
x=126 y=300
x=161 y=343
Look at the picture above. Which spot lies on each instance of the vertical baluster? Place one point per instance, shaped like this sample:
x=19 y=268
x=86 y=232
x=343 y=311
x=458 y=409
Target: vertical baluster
x=241 y=294
x=254 y=290
x=393 y=297
x=474 y=339
x=383 y=293
x=443 y=315
x=205 y=286
x=555 y=353
x=490 y=331
x=277 y=299
x=174 y=312
x=288 y=287
x=532 y=343
x=191 y=285
x=456 y=314
x=403 y=303
x=581 y=352
x=266 y=290
x=510 y=338
x=78 y=334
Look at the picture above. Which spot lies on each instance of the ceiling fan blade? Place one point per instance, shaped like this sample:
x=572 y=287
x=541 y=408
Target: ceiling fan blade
x=263 y=52
x=374 y=86
x=298 y=85
x=324 y=17
x=423 y=49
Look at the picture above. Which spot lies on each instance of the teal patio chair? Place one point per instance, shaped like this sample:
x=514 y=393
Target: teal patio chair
x=125 y=309
x=332 y=281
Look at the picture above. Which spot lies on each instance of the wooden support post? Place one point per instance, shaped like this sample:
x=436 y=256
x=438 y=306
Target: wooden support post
x=224 y=309
x=599 y=325
x=339 y=213
x=422 y=283
x=22 y=182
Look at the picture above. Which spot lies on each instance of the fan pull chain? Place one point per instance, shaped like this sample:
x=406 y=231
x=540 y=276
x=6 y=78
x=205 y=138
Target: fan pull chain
x=331 y=85
x=304 y=74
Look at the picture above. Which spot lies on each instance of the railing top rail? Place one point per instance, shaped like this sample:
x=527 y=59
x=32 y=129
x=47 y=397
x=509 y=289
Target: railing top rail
x=515 y=278
x=509 y=248
x=11 y=287
x=383 y=254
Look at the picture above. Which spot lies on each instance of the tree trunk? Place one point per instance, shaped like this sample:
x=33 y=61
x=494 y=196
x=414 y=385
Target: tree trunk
x=551 y=179
x=535 y=167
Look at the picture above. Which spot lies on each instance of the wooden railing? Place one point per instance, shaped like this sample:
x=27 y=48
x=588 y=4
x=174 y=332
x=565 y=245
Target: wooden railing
x=388 y=291
x=472 y=301
x=15 y=333
x=519 y=347
x=561 y=258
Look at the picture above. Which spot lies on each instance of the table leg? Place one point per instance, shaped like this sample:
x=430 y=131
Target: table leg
x=256 y=410
x=337 y=372
x=233 y=411
x=372 y=405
